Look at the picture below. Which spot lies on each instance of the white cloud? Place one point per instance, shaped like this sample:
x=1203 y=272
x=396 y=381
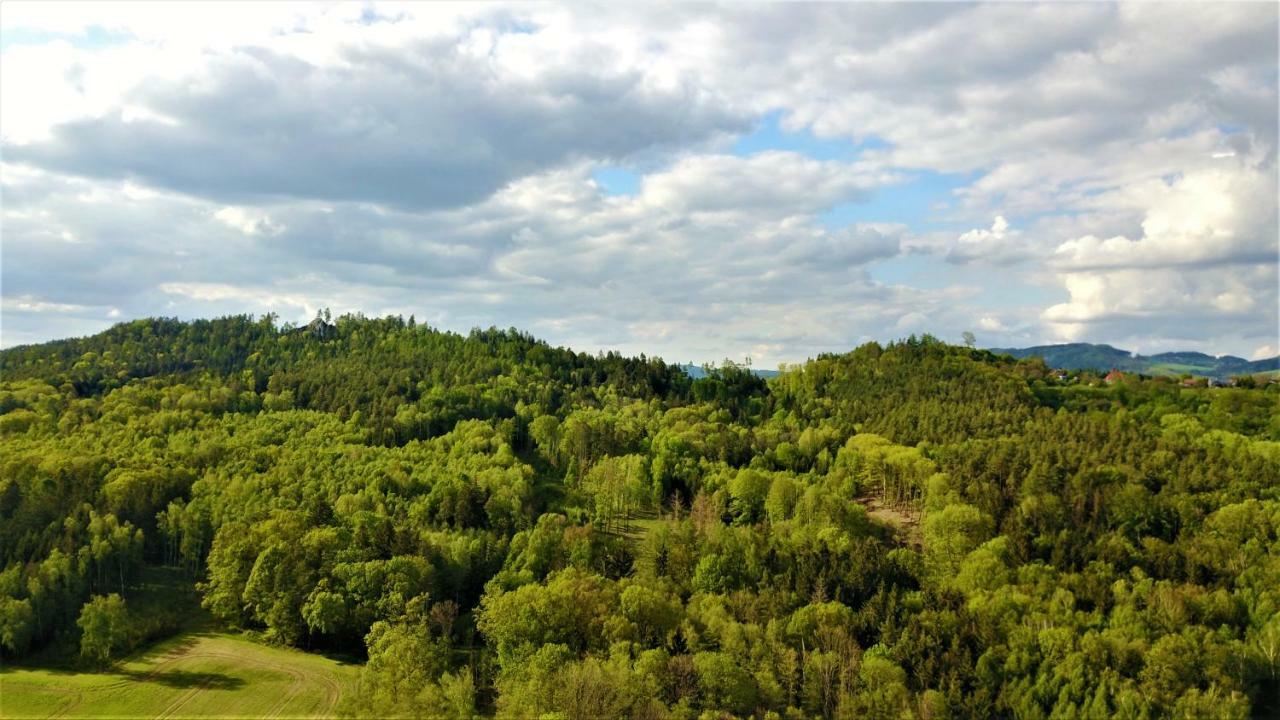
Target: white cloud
x=27 y=303
x=911 y=321
x=223 y=291
x=991 y=324
x=760 y=183
x=436 y=158
x=1205 y=261
x=528 y=255
x=315 y=104
x=1000 y=245
x=1214 y=302
x=1213 y=215
x=248 y=221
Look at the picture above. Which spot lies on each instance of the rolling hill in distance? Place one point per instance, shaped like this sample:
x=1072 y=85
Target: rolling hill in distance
x=1101 y=357
x=697 y=372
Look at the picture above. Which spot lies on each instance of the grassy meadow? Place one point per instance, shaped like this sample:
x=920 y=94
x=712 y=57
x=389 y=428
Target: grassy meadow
x=196 y=674
x=196 y=670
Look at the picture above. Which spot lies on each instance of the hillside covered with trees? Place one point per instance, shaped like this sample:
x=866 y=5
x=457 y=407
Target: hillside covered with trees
x=497 y=527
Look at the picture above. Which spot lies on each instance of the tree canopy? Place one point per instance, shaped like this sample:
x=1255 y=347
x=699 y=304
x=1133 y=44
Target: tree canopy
x=509 y=529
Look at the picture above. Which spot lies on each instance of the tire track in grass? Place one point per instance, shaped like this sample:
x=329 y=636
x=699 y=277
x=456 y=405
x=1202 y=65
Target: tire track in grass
x=183 y=699
x=333 y=690
x=76 y=698
x=295 y=687
x=298 y=681
x=332 y=696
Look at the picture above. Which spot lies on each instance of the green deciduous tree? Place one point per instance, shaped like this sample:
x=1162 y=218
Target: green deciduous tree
x=104 y=628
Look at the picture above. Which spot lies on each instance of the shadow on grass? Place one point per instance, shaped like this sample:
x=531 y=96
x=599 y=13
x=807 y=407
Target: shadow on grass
x=185 y=679
x=61 y=657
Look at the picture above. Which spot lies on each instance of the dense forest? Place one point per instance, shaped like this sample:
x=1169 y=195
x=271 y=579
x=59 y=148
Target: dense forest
x=498 y=527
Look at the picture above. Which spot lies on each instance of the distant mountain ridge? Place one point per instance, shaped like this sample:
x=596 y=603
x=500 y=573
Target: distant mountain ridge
x=696 y=372
x=1090 y=356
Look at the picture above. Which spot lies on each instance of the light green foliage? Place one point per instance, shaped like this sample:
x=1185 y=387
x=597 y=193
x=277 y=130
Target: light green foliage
x=882 y=690
x=724 y=683
x=784 y=492
x=953 y=532
x=17 y=621
x=873 y=465
x=749 y=490
x=409 y=673
x=545 y=432
x=104 y=628
x=984 y=569
x=617 y=487
x=654 y=612
x=573 y=609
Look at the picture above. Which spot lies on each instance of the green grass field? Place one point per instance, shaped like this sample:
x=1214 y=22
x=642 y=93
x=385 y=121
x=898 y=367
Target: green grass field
x=198 y=671
x=197 y=674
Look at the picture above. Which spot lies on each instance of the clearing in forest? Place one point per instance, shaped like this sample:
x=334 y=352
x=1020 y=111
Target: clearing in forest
x=192 y=675
x=903 y=520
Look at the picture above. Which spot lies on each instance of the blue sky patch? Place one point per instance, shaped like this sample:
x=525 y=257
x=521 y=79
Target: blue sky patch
x=617 y=181
x=94 y=37
x=919 y=203
x=769 y=135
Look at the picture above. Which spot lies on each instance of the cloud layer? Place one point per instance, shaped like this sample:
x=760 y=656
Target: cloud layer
x=807 y=177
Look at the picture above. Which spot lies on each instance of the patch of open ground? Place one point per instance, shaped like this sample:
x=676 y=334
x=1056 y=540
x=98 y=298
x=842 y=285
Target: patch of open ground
x=640 y=524
x=198 y=674
x=904 y=521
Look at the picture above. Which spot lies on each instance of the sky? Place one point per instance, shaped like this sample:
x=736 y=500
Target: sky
x=691 y=181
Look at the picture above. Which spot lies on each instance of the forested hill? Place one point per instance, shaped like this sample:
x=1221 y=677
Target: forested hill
x=503 y=528
x=1088 y=356
x=372 y=366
